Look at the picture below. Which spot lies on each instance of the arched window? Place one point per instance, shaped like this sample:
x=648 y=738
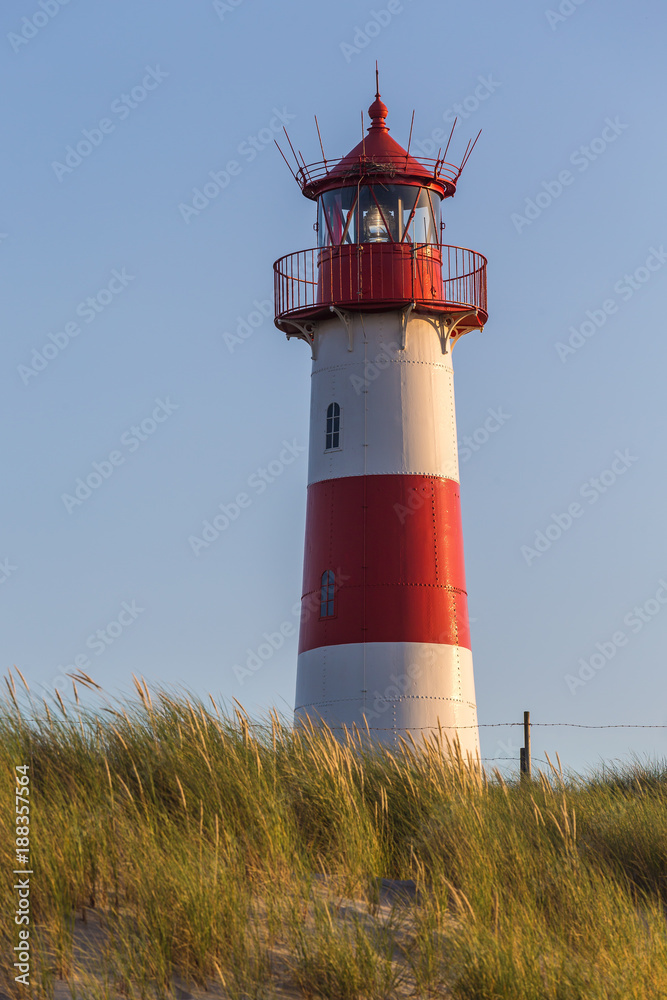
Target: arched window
x=327 y=594
x=333 y=427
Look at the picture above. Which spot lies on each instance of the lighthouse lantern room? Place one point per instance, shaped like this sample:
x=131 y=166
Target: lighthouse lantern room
x=384 y=642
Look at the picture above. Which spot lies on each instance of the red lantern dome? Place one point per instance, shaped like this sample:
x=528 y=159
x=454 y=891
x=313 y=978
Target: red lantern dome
x=379 y=158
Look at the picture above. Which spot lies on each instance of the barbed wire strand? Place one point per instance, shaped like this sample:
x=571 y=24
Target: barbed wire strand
x=480 y=725
x=574 y=725
x=493 y=725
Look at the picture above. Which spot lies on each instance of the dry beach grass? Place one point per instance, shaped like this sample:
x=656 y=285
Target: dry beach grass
x=180 y=850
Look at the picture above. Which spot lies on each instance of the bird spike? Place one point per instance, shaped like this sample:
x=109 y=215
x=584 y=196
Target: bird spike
x=410 y=136
x=286 y=161
x=468 y=152
x=292 y=148
x=319 y=136
x=450 y=138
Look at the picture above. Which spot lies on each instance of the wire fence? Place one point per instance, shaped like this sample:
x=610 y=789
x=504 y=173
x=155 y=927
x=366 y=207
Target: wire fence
x=573 y=725
x=525 y=758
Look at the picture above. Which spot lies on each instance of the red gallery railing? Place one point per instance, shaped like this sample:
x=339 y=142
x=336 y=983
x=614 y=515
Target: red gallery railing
x=375 y=276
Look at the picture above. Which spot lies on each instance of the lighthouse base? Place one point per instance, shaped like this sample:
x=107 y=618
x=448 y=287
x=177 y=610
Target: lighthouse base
x=393 y=688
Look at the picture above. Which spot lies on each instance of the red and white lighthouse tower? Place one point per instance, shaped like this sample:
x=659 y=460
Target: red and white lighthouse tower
x=384 y=640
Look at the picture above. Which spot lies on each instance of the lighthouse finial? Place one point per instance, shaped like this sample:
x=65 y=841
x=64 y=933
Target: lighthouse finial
x=378 y=110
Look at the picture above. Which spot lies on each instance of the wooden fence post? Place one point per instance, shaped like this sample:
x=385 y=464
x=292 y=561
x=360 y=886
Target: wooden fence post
x=525 y=749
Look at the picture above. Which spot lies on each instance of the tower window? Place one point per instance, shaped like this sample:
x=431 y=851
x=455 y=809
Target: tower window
x=327 y=594
x=333 y=427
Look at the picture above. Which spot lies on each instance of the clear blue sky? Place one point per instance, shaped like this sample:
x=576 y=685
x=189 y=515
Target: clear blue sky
x=170 y=92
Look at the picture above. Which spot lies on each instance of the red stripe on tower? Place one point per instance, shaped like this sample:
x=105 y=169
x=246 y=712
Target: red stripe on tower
x=395 y=546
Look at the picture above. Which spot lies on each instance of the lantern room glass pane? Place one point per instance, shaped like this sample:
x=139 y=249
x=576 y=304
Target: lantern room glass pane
x=379 y=213
x=423 y=225
x=405 y=201
x=336 y=210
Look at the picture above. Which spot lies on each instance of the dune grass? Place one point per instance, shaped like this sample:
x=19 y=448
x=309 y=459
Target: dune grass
x=176 y=843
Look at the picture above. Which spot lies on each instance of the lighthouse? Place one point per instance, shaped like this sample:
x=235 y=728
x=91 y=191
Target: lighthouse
x=384 y=643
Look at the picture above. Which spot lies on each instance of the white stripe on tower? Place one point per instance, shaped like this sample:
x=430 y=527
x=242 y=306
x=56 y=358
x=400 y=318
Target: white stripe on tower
x=397 y=406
